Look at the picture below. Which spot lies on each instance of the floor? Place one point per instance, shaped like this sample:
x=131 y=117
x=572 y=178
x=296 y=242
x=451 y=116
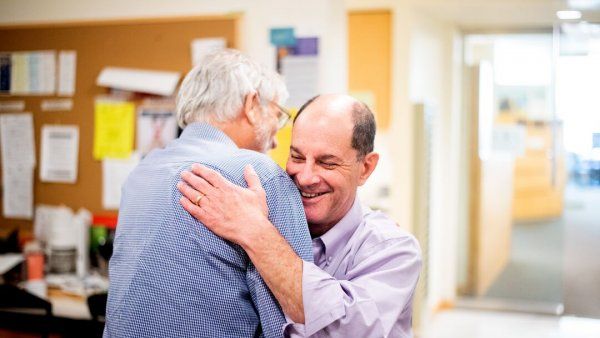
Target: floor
x=461 y=323
x=557 y=261
x=535 y=269
x=582 y=252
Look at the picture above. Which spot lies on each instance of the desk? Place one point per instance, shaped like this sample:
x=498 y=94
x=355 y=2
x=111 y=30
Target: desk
x=70 y=318
x=68 y=306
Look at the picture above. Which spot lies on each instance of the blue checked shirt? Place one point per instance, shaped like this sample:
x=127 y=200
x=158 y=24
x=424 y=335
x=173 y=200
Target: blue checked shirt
x=169 y=275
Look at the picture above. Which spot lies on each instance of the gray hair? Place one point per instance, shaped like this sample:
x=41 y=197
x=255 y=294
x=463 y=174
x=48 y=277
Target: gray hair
x=214 y=91
x=363 y=132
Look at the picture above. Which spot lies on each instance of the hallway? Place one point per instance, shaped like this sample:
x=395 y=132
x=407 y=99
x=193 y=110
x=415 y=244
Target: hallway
x=582 y=251
x=556 y=261
x=461 y=323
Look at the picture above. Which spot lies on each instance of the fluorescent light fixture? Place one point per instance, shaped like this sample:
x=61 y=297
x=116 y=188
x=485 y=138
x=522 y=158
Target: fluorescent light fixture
x=568 y=15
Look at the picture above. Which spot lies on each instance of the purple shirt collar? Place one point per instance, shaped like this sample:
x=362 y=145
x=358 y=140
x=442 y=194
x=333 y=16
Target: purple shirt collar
x=337 y=237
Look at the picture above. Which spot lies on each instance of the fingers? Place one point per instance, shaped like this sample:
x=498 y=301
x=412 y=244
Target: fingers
x=193 y=209
x=252 y=178
x=189 y=193
x=197 y=183
x=212 y=177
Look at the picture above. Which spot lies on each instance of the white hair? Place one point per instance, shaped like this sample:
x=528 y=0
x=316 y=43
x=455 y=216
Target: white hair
x=215 y=89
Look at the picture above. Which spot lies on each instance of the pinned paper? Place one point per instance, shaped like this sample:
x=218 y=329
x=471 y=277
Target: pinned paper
x=156 y=125
x=57 y=105
x=19 y=76
x=17 y=192
x=201 y=47
x=42 y=72
x=301 y=75
x=282 y=36
x=67 y=71
x=114 y=174
x=139 y=80
x=47 y=72
x=60 y=151
x=5 y=71
x=18 y=162
x=16 y=140
x=113 y=129
x=306 y=46
x=12 y=106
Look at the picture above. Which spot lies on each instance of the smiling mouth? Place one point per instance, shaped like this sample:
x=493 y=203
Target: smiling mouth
x=307 y=195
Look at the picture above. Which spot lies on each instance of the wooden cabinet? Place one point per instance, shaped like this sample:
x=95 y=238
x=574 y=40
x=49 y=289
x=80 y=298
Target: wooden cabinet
x=540 y=175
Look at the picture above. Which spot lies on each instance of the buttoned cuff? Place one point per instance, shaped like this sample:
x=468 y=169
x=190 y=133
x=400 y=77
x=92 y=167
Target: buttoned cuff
x=291 y=329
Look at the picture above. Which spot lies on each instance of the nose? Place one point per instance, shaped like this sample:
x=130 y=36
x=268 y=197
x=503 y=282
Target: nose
x=307 y=176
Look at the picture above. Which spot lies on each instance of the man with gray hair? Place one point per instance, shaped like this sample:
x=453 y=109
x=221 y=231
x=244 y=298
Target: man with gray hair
x=169 y=275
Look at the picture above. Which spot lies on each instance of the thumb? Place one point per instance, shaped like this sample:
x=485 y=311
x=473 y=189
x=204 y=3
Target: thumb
x=252 y=178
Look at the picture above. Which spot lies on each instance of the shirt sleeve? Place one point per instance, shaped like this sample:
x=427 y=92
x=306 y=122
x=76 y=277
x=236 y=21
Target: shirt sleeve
x=378 y=290
x=287 y=215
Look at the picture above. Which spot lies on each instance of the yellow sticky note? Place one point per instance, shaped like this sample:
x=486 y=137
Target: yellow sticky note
x=284 y=140
x=113 y=129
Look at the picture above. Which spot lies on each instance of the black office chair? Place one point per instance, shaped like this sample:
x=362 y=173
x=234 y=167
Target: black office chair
x=11 y=297
x=97 y=305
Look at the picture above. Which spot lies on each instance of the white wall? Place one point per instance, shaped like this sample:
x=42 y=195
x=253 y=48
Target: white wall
x=427 y=65
x=434 y=72
x=325 y=19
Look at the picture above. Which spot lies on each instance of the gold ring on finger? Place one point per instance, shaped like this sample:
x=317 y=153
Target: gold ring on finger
x=197 y=199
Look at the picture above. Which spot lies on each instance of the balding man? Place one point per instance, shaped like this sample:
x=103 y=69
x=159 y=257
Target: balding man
x=365 y=267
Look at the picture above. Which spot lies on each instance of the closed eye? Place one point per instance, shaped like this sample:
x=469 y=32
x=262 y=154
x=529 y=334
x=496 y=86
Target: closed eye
x=329 y=165
x=296 y=158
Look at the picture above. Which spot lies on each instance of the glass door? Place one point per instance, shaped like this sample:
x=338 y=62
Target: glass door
x=514 y=238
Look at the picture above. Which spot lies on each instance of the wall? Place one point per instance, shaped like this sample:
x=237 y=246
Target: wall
x=423 y=69
x=434 y=68
x=427 y=61
x=325 y=19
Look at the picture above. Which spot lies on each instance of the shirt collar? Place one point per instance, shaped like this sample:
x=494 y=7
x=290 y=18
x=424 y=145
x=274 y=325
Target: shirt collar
x=206 y=132
x=339 y=234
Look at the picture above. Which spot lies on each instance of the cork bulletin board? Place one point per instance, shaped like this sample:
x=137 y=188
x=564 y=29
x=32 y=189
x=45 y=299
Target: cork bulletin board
x=152 y=44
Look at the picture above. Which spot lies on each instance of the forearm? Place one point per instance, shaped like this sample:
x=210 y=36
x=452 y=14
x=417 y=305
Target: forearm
x=374 y=300
x=280 y=268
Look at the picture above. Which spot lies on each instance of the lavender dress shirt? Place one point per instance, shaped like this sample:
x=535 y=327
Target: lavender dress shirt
x=363 y=279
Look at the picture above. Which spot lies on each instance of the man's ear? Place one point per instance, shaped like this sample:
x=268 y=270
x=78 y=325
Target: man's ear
x=368 y=164
x=251 y=102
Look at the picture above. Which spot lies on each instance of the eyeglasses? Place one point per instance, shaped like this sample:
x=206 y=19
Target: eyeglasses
x=284 y=116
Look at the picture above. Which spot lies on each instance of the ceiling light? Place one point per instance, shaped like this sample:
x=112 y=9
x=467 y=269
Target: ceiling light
x=584 y=4
x=568 y=15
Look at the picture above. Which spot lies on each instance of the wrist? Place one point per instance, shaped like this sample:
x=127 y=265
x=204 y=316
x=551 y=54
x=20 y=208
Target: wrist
x=258 y=235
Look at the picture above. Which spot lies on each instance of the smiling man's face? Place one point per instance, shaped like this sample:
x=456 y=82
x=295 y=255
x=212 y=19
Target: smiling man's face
x=323 y=163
